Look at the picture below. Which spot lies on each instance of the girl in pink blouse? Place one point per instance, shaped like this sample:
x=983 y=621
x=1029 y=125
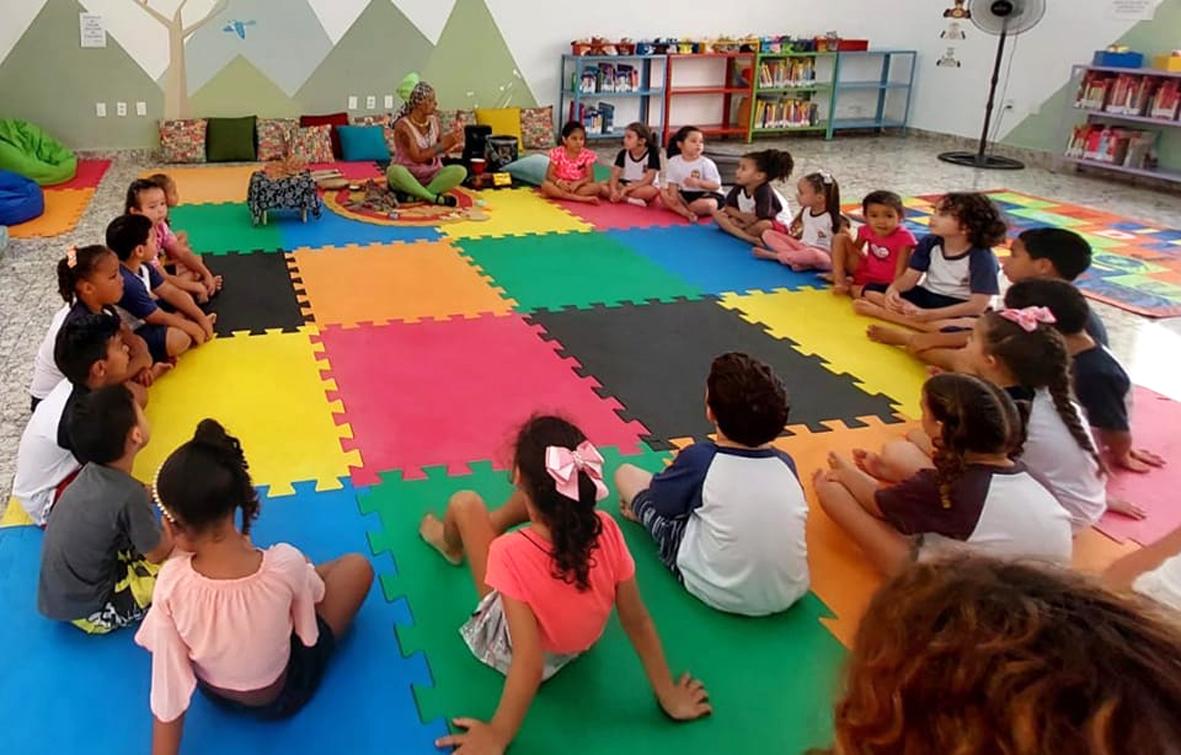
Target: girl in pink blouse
x=550 y=586
x=571 y=173
x=253 y=628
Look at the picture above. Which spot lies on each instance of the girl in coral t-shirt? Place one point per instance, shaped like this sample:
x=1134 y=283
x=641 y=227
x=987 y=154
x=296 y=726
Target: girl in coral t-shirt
x=571 y=172
x=549 y=586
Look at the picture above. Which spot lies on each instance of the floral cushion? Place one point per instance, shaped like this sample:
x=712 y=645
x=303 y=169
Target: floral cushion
x=274 y=137
x=183 y=141
x=447 y=119
x=313 y=144
x=537 y=127
x=385 y=120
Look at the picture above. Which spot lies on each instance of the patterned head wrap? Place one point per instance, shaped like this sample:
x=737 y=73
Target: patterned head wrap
x=413 y=92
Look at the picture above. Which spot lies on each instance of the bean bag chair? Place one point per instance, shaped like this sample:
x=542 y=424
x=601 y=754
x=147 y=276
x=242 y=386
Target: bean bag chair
x=21 y=199
x=26 y=149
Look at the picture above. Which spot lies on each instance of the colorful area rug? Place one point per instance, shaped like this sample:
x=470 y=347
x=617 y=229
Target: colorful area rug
x=64 y=203
x=1136 y=264
x=344 y=202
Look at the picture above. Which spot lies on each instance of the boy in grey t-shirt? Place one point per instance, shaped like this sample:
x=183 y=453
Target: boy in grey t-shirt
x=103 y=544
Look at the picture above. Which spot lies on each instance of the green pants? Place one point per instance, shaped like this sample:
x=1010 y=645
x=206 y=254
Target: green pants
x=401 y=179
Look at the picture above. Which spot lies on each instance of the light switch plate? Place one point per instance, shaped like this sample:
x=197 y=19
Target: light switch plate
x=389 y=102
x=100 y=109
x=352 y=102
x=141 y=108
x=121 y=109
x=371 y=102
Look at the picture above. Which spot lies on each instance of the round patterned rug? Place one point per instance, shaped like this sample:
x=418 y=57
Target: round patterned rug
x=356 y=205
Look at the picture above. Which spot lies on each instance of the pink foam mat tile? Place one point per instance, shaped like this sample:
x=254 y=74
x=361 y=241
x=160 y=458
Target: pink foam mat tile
x=472 y=383
x=606 y=216
x=1154 y=426
x=358 y=171
x=90 y=174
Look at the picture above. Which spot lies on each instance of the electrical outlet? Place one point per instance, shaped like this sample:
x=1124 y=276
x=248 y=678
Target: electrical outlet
x=100 y=109
x=371 y=102
x=121 y=109
x=352 y=102
x=141 y=108
x=389 y=102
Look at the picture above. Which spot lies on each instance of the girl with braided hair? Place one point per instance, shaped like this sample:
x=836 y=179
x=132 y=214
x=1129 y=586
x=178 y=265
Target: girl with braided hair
x=417 y=163
x=970 y=492
x=546 y=590
x=253 y=628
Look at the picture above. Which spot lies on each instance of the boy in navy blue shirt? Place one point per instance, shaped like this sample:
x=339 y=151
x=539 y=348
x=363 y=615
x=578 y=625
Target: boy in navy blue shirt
x=1101 y=384
x=728 y=515
x=168 y=333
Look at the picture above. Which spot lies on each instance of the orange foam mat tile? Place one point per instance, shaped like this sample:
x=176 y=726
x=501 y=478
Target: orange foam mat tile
x=63 y=209
x=209 y=184
x=379 y=283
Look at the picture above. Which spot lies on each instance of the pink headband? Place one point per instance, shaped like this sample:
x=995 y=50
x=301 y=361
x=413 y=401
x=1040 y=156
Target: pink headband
x=564 y=465
x=1029 y=317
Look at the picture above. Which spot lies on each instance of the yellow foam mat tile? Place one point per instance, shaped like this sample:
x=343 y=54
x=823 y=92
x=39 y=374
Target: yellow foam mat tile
x=516 y=212
x=826 y=326
x=63 y=208
x=15 y=516
x=268 y=391
x=209 y=184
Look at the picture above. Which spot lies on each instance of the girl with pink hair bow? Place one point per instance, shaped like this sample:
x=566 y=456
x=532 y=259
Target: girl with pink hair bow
x=546 y=590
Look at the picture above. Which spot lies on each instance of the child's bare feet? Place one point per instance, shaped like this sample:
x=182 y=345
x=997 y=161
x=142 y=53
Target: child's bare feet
x=431 y=531
x=888 y=336
x=865 y=308
x=158 y=369
x=626 y=511
x=828 y=278
x=691 y=217
x=870 y=463
x=764 y=254
x=1126 y=508
x=839 y=463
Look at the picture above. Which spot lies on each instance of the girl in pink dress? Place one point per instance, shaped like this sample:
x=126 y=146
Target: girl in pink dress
x=571 y=173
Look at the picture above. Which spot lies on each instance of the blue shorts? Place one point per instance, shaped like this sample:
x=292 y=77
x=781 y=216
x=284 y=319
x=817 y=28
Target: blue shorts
x=667 y=533
x=924 y=299
x=156 y=337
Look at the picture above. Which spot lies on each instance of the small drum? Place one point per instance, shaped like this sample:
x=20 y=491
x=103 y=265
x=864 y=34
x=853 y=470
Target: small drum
x=502 y=150
x=475 y=141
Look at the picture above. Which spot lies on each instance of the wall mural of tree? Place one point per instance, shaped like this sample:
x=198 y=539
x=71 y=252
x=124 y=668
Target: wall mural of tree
x=176 y=85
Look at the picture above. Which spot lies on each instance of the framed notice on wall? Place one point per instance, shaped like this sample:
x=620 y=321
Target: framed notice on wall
x=94 y=34
x=1132 y=10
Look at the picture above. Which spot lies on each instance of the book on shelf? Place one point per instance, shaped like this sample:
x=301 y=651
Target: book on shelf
x=627 y=78
x=589 y=82
x=1166 y=100
x=1093 y=90
x=785 y=113
x=1112 y=145
x=607 y=114
x=606 y=78
x=787 y=73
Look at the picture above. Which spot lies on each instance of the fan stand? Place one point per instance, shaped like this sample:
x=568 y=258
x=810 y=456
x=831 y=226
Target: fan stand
x=979 y=159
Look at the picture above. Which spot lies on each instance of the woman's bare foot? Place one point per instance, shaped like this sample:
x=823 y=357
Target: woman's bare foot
x=431 y=530
x=870 y=463
x=626 y=511
x=763 y=253
x=888 y=336
x=1126 y=508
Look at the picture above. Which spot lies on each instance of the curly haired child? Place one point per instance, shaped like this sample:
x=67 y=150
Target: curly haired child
x=753 y=205
x=977 y=657
x=546 y=590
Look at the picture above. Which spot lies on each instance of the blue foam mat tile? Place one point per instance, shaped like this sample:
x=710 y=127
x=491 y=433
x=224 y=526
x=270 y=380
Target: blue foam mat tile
x=711 y=259
x=54 y=675
x=333 y=230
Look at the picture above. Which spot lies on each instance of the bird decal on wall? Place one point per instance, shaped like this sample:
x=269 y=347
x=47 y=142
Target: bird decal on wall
x=238 y=27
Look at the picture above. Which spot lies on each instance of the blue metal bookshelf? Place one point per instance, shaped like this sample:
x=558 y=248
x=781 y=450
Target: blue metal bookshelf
x=895 y=79
x=571 y=96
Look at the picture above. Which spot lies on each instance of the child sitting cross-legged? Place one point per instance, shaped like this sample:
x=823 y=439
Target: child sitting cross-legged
x=254 y=629
x=571 y=172
x=91 y=353
x=103 y=545
x=970 y=493
x=168 y=333
x=809 y=242
x=881 y=252
x=952 y=272
x=728 y=515
x=1102 y=385
x=753 y=205
x=153 y=198
x=635 y=176
x=547 y=590
x=1054 y=253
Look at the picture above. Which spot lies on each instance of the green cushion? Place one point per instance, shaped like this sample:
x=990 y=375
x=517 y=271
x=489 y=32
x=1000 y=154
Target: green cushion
x=26 y=149
x=529 y=169
x=230 y=140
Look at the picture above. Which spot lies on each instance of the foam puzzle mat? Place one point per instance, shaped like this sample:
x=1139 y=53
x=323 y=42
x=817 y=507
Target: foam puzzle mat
x=1136 y=264
x=371 y=371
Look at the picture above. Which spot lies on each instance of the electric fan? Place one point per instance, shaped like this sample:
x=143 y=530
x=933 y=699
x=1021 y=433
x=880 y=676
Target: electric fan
x=1006 y=18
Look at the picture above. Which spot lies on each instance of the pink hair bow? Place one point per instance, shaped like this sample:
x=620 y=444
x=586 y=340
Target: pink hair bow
x=564 y=465
x=1030 y=317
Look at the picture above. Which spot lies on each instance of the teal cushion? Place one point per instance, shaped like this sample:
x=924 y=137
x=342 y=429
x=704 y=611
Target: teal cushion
x=361 y=143
x=230 y=140
x=529 y=169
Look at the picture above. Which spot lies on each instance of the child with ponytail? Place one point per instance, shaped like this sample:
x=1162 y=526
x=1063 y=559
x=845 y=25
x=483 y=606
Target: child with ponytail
x=970 y=492
x=252 y=628
x=89 y=282
x=753 y=206
x=547 y=589
x=808 y=243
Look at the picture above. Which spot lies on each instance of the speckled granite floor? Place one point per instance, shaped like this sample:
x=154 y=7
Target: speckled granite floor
x=28 y=295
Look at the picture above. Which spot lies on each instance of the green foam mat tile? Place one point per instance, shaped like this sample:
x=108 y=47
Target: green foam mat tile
x=771 y=680
x=573 y=270
x=225 y=228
